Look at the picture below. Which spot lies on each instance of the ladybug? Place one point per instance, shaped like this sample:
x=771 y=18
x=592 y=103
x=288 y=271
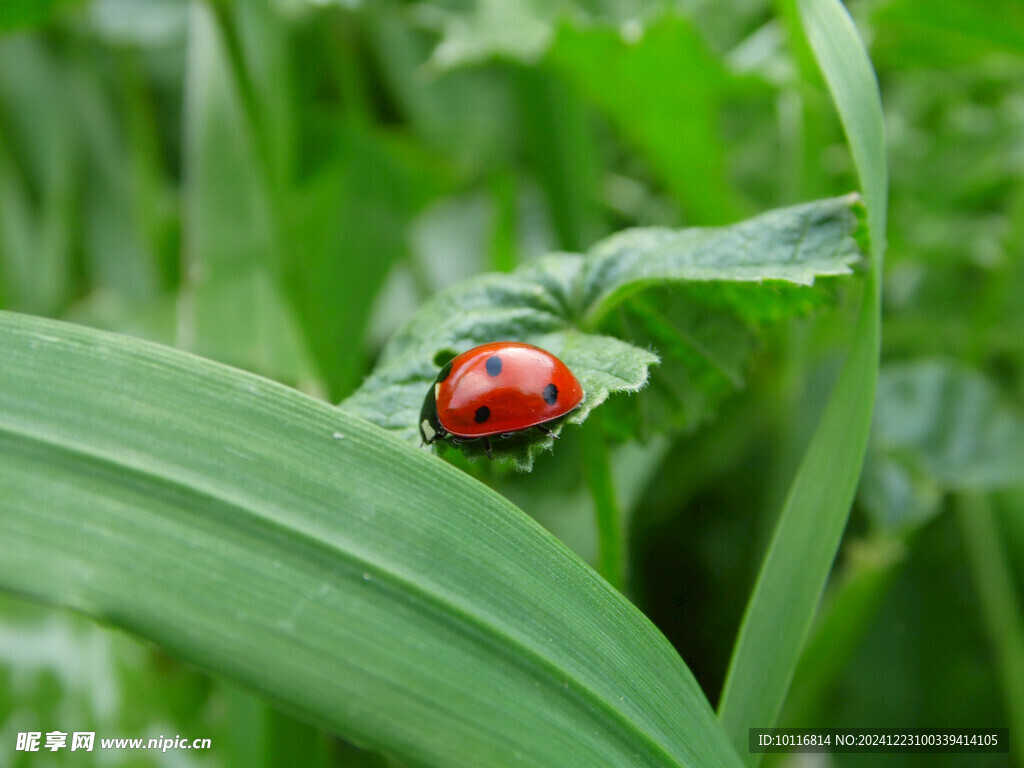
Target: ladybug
x=500 y=389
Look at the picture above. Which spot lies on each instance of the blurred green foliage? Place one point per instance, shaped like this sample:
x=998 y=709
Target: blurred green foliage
x=279 y=184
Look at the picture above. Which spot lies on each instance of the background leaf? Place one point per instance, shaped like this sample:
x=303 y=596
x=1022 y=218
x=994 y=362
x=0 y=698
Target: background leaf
x=521 y=29
x=37 y=179
x=360 y=205
x=939 y=427
x=233 y=308
x=305 y=553
x=940 y=430
x=949 y=34
x=26 y=13
x=680 y=130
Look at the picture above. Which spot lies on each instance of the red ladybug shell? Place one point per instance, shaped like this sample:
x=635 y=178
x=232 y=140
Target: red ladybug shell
x=504 y=387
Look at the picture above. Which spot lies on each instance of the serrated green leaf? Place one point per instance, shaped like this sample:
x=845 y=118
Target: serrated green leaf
x=286 y=545
x=557 y=302
x=706 y=332
x=531 y=305
x=794 y=244
x=704 y=347
x=939 y=427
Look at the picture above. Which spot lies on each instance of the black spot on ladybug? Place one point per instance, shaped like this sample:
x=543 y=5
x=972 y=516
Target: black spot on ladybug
x=493 y=365
x=443 y=373
x=550 y=394
x=483 y=413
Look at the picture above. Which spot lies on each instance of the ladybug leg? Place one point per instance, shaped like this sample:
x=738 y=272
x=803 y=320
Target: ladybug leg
x=487 y=448
x=547 y=431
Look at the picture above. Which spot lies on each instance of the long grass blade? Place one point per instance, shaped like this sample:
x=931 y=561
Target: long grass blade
x=305 y=553
x=796 y=566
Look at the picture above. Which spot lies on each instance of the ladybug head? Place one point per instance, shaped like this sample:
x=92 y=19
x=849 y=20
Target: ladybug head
x=430 y=425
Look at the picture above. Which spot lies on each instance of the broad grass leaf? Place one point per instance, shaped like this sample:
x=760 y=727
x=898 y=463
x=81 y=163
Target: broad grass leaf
x=308 y=555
